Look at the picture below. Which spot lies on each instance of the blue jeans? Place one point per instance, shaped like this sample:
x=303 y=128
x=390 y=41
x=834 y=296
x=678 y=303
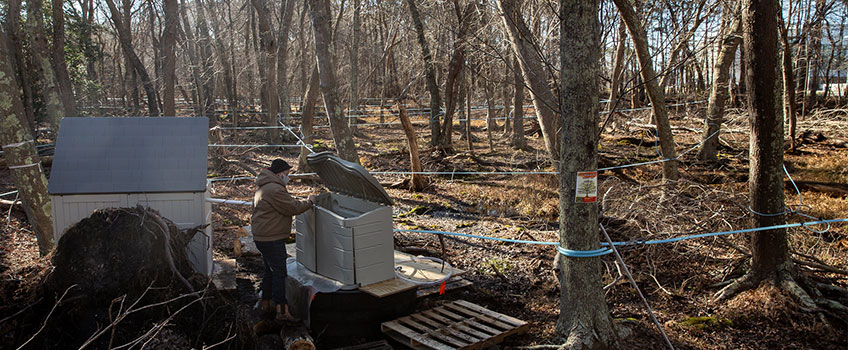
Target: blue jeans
x=274 y=279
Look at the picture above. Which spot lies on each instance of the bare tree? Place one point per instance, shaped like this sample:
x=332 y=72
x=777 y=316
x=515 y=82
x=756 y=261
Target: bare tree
x=544 y=99
x=720 y=91
x=169 y=42
x=430 y=74
x=21 y=154
x=770 y=260
x=283 y=88
x=343 y=137
x=655 y=94
x=268 y=61
x=18 y=63
x=518 y=140
x=137 y=66
x=44 y=69
x=308 y=117
x=584 y=319
x=60 y=66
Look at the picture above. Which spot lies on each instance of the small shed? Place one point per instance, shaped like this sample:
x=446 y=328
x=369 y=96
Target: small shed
x=121 y=162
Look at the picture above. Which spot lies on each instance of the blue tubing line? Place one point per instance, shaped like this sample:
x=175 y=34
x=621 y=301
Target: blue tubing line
x=604 y=251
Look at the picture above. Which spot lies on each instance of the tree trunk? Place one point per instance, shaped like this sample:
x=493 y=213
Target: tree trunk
x=453 y=82
x=518 y=140
x=308 y=117
x=137 y=65
x=789 y=104
x=19 y=65
x=584 y=320
x=655 y=94
x=52 y=99
x=224 y=57
x=544 y=100
x=269 y=78
x=169 y=43
x=491 y=112
x=342 y=136
x=507 y=97
x=207 y=73
x=769 y=249
x=194 y=61
x=719 y=93
x=468 y=138
x=22 y=156
x=63 y=79
x=430 y=72
x=283 y=88
x=416 y=184
x=815 y=40
x=618 y=67
x=353 y=104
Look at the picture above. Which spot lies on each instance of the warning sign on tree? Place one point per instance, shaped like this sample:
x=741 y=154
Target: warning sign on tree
x=587 y=187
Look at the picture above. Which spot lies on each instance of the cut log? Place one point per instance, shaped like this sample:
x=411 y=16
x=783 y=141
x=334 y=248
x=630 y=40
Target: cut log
x=296 y=338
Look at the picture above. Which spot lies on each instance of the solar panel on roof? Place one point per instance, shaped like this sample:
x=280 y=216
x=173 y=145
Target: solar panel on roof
x=130 y=155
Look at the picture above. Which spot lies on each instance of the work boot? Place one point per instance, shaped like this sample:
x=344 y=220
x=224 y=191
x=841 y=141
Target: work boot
x=266 y=308
x=283 y=314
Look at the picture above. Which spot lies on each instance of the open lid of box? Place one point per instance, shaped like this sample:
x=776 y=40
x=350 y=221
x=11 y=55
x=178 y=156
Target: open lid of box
x=347 y=178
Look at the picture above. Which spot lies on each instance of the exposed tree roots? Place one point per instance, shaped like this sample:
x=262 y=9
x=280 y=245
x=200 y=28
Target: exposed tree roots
x=810 y=296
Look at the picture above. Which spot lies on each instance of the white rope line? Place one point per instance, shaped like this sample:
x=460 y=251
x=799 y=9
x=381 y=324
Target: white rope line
x=19 y=144
x=24 y=165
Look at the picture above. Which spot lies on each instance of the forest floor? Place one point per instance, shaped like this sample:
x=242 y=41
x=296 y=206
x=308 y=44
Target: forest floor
x=678 y=280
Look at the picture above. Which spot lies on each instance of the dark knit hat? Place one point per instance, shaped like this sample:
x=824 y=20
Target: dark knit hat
x=278 y=166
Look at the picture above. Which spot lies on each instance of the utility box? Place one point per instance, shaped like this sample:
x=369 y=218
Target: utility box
x=348 y=236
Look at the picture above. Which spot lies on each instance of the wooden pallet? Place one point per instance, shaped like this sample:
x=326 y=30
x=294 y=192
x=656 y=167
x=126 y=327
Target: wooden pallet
x=456 y=325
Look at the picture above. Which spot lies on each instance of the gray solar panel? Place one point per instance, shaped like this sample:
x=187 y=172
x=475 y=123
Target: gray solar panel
x=130 y=155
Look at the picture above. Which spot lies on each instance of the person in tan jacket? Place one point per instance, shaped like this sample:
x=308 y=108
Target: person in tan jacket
x=271 y=224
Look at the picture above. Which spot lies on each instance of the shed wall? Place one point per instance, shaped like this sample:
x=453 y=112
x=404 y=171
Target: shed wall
x=186 y=210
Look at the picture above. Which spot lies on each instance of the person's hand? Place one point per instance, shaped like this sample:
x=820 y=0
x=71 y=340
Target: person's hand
x=313 y=198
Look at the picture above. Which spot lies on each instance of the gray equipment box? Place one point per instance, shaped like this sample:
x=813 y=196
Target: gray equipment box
x=348 y=237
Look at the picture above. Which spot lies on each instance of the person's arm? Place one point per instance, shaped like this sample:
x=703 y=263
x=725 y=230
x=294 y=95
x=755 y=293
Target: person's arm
x=285 y=204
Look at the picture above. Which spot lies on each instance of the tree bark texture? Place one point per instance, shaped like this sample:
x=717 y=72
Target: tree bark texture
x=207 y=72
x=544 y=100
x=468 y=137
x=44 y=69
x=617 y=67
x=769 y=249
x=430 y=73
x=491 y=113
x=416 y=183
x=453 y=82
x=584 y=318
x=353 y=104
x=224 y=57
x=60 y=66
x=655 y=94
x=283 y=88
x=342 y=136
x=22 y=156
x=268 y=46
x=124 y=36
x=18 y=63
x=169 y=43
x=518 y=139
x=308 y=117
x=789 y=105
x=719 y=93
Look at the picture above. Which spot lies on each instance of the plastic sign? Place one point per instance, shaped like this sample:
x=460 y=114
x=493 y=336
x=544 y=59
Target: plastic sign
x=587 y=187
